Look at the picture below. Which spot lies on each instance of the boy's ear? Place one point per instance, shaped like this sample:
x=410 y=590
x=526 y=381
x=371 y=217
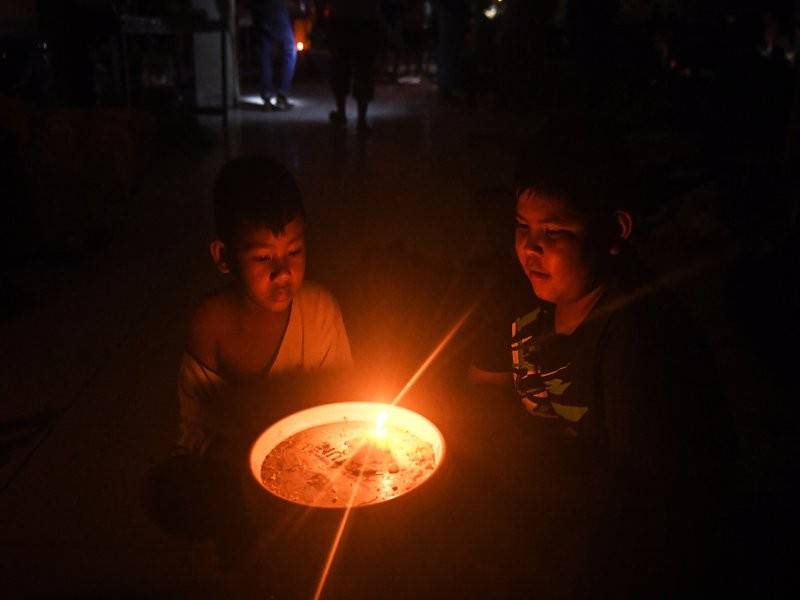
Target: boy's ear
x=624 y=227
x=217 y=248
x=625 y=223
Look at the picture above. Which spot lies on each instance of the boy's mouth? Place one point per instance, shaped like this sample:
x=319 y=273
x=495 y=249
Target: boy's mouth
x=537 y=273
x=280 y=294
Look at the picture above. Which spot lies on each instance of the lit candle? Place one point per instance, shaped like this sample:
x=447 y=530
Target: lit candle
x=380 y=426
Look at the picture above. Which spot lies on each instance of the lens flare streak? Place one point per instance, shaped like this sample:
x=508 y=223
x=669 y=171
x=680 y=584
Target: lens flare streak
x=380 y=426
x=337 y=538
x=433 y=355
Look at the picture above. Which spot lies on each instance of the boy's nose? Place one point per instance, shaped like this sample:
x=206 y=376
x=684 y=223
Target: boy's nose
x=532 y=244
x=280 y=268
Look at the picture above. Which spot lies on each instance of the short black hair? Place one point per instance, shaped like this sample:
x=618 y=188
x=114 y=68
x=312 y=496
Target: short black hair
x=254 y=191
x=585 y=165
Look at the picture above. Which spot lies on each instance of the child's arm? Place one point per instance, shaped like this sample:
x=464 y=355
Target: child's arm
x=197 y=388
x=199 y=384
x=499 y=379
x=490 y=360
x=203 y=337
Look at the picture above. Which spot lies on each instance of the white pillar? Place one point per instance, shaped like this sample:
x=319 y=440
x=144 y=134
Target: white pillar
x=208 y=61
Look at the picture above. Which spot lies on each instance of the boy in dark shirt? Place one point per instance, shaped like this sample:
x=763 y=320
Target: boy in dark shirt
x=602 y=354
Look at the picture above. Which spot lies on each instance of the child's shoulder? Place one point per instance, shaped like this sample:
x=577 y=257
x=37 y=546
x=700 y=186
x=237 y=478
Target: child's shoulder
x=210 y=320
x=317 y=306
x=315 y=296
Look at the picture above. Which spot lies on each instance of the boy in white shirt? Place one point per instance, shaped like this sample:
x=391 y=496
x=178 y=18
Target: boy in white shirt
x=267 y=321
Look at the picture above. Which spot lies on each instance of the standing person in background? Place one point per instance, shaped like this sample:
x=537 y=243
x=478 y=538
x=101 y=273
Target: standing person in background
x=412 y=30
x=451 y=20
x=273 y=25
x=354 y=39
x=392 y=13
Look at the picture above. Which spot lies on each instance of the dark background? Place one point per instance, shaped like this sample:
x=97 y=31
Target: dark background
x=106 y=222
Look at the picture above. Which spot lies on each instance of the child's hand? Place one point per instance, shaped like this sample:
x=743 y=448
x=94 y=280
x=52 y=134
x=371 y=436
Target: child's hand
x=538 y=409
x=530 y=405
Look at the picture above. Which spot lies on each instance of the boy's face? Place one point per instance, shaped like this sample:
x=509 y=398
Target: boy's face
x=270 y=267
x=553 y=247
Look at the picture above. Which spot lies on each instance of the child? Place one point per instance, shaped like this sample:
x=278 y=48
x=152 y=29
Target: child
x=268 y=321
x=602 y=354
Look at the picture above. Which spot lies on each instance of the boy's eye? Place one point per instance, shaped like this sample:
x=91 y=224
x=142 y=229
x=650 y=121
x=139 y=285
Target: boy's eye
x=555 y=233
x=521 y=225
x=296 y=252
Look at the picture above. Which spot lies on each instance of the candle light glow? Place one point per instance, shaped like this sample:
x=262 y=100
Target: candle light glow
x=380 y=426
x=366 y=451
x=380 y=435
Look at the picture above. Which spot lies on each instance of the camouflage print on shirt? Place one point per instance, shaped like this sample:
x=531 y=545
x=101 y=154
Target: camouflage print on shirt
x=542 y=367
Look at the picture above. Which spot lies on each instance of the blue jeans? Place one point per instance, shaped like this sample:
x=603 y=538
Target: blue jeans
x=273 y=26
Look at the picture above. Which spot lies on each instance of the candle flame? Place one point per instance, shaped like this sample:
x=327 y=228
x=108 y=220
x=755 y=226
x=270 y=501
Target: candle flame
x=380 y=425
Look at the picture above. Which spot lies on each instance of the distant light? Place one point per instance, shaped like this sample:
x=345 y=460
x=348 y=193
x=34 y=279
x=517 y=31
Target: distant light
x=252 y=99
x=491 y=12
x=410 y=79
x=255 y=100
x=300 y=46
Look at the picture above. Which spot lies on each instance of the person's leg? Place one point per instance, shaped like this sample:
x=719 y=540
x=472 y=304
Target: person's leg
x=200 y=500
x=363 y=59
x=288 y=57
x=264 y=43
x=449 y=50
x=177 y=497
x=340 y=71
x=341 y=104
x=395 y=43
x=234 y=534
x=362 y=116
x=415 y=51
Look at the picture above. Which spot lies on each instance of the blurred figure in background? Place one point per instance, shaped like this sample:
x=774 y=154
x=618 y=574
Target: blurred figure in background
x=392 y=13
x=451 y=20
x=354 y=31
x=273 y=26
x=413 y=35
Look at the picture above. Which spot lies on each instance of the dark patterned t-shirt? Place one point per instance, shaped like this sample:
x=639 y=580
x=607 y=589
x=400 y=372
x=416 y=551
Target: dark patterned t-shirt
x=634 y=381
x=542 y=363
